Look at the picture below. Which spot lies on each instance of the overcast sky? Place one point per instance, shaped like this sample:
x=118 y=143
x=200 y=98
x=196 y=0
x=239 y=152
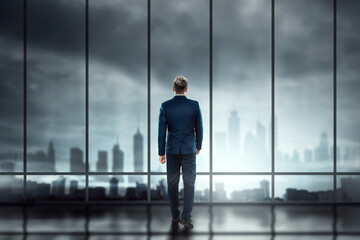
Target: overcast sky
x=179 y=46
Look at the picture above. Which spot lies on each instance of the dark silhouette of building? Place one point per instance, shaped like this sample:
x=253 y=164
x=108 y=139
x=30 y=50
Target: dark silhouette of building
x=160 y=192
x=114 y=187
x=97 y=193
x=76 y=160
x=58 y=187
x=349 y=189
x=141 y=191
x=73 y=187
x=102 y=165
x=293 y=194
x=118 y=159
x=37 y=191
x=131 y=193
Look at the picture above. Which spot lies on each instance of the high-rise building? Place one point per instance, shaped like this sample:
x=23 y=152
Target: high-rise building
x=58 y=186
x=138 y=151
x=73 y=187
x=102 y=165
x=114 y=187
x=219 y=193
x=51 y=157
x=322 y=151
x=234 y=133
x=40 y=161
x=118 y=159
x=265 y=187
x=76 y=160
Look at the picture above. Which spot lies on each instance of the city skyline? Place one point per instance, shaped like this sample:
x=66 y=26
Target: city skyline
x=60 y=189
x=254 y=150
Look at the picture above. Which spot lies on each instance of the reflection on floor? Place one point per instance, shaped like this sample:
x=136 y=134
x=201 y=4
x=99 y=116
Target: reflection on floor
x=108 y=222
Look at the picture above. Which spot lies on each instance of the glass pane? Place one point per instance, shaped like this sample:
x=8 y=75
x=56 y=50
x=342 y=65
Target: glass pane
x=179 y=46
x=304 y=85
x=11 y=188
x=348 y=188
x=11 y=86
x=124 y=187
x=117 y=85
x=55 y=187
x=242 y=85
x=241 y=188
x=304 y=188
x=348 y=85
x=159 y=188
x=56 y=83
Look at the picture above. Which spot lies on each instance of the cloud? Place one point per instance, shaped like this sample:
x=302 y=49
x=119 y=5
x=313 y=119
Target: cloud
x=179 y=45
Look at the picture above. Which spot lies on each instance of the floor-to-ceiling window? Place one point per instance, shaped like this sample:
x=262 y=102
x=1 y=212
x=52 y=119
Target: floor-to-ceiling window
x=82 y=83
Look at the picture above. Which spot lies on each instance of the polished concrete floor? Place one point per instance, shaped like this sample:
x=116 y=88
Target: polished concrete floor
x=108 y=222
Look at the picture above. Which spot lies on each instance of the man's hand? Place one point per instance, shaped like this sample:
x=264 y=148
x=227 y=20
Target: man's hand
x=162 y=159
x=197 y=151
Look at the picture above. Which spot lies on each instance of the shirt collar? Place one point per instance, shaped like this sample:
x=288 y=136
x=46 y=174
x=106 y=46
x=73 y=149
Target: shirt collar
x=180 y=96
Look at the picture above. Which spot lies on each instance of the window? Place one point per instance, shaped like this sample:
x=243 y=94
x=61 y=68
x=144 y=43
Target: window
x=82 y=83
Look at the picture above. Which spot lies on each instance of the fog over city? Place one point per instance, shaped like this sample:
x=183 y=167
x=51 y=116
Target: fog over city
x=180 y=46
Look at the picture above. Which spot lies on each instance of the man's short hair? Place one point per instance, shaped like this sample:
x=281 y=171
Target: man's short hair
x=180 y=84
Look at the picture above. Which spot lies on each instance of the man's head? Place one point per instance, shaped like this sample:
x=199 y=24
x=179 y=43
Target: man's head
x=180 y=85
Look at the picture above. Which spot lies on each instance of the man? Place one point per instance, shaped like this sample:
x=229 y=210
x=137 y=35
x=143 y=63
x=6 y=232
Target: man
x=182 y=118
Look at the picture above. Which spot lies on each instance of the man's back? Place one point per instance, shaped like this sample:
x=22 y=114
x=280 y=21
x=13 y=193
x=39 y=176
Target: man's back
x=182 y=117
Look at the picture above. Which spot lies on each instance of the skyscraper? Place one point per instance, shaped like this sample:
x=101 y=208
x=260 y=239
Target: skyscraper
x=73 y=187
x=114 y=189
x=76 y=160
x=58 y=186
x=102 y=165
x=138 y=151
x=322 y=151
x=118 y=159
x=234 y=133
x=264 y=185
x=51 y=157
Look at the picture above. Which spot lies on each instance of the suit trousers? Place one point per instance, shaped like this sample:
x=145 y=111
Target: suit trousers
x=188 y=164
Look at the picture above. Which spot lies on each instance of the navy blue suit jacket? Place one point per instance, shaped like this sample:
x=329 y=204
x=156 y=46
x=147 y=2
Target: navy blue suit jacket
x=182 y=118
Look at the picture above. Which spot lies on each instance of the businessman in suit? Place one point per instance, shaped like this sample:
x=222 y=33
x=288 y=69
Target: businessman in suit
x=182 y=119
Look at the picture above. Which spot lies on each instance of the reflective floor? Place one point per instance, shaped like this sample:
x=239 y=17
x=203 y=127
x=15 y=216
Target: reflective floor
x=108 y=222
